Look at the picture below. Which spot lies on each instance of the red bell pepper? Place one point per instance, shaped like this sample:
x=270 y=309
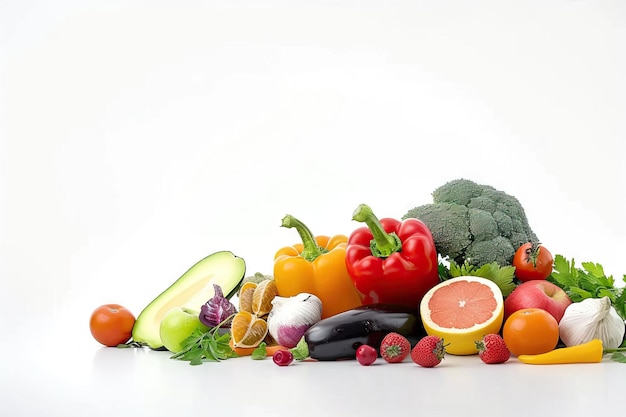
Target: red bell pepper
x=391 y=261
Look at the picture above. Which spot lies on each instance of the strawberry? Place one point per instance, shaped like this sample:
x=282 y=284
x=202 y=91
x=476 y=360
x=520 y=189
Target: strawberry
x=492 y=349
x=428 y=352
x=394 y=347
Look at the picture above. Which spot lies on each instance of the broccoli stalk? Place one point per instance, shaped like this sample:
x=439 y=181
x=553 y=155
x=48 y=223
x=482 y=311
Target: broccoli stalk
x=475 y=223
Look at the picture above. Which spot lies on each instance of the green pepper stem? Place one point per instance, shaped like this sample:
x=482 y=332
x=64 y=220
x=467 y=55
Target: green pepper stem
x=311 y=249
x=383 y=244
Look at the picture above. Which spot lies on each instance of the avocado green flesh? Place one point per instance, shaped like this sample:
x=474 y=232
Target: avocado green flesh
x=191 y=290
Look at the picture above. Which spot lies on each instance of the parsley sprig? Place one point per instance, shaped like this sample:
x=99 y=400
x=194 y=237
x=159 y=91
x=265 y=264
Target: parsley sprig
x=206 y=346
x=618 y=357
x=590 y=281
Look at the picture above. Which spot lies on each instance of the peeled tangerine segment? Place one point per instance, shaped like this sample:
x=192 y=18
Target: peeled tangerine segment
x=247 y=330
x=257 y=298
x=461 y=311
x=263 y=296
x=245 y=296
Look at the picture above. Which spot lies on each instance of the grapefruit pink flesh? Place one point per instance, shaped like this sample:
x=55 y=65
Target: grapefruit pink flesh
x=462 y=310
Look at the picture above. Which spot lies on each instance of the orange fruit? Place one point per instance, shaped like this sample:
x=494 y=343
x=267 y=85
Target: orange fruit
x=247 y=330
x=530 y=331
x=245 y=296
x=263 y=296
x=461 y=311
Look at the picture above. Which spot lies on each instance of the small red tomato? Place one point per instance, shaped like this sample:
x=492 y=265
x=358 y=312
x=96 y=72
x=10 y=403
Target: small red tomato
x=532 y=261
x=111 y=324
x=366 y=355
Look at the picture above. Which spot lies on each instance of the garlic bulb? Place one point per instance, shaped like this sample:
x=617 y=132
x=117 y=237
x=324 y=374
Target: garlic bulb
x=592 y=318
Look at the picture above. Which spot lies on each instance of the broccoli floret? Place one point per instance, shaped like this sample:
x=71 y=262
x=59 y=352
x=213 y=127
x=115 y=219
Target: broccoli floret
x=475 y=223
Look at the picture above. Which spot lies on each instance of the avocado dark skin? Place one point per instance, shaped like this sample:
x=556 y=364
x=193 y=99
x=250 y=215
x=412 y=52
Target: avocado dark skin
x=339 y=336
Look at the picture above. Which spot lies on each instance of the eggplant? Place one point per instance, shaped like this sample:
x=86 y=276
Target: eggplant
x=338 y=337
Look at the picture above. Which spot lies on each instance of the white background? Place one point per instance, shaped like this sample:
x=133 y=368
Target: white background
x=137 y=137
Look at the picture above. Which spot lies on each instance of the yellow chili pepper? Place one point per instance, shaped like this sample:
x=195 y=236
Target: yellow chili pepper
x=316 y=266
x=589 y=352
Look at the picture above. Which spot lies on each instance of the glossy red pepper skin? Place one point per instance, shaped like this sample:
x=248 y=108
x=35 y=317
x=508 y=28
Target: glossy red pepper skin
x=403 y=277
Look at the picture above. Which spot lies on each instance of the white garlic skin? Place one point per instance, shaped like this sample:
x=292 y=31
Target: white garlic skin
x=290 y=317
x=592 y=318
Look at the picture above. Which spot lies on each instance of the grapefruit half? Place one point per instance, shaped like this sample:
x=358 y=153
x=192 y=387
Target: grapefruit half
x=461 y=311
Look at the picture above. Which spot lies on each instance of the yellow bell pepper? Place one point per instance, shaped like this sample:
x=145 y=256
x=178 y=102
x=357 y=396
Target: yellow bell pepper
x=316 y=266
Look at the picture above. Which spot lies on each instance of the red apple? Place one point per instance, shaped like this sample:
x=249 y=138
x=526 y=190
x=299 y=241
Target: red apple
x=538 y=294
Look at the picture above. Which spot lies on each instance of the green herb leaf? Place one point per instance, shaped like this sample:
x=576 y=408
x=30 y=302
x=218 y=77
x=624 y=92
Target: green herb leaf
x=564 y=274
x=457 y=270
x=444 y=271
x=620 y=302
x=301 y=350
x=618 y=357
x=502 y=276
x=597 y=271
x=205 y=346
x=260 y=352
x=210 y=347
x=590 y=281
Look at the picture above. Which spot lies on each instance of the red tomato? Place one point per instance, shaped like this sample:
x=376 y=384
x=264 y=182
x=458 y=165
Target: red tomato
x=111 y=324
x=532 y=261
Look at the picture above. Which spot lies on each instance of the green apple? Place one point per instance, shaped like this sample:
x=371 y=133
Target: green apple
x=177 y=325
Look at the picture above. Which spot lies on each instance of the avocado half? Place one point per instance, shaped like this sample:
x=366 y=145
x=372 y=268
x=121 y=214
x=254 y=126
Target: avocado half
x=191 y=290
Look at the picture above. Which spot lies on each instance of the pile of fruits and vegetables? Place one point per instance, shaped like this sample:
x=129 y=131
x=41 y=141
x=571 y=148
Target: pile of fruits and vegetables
x=463 y=275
